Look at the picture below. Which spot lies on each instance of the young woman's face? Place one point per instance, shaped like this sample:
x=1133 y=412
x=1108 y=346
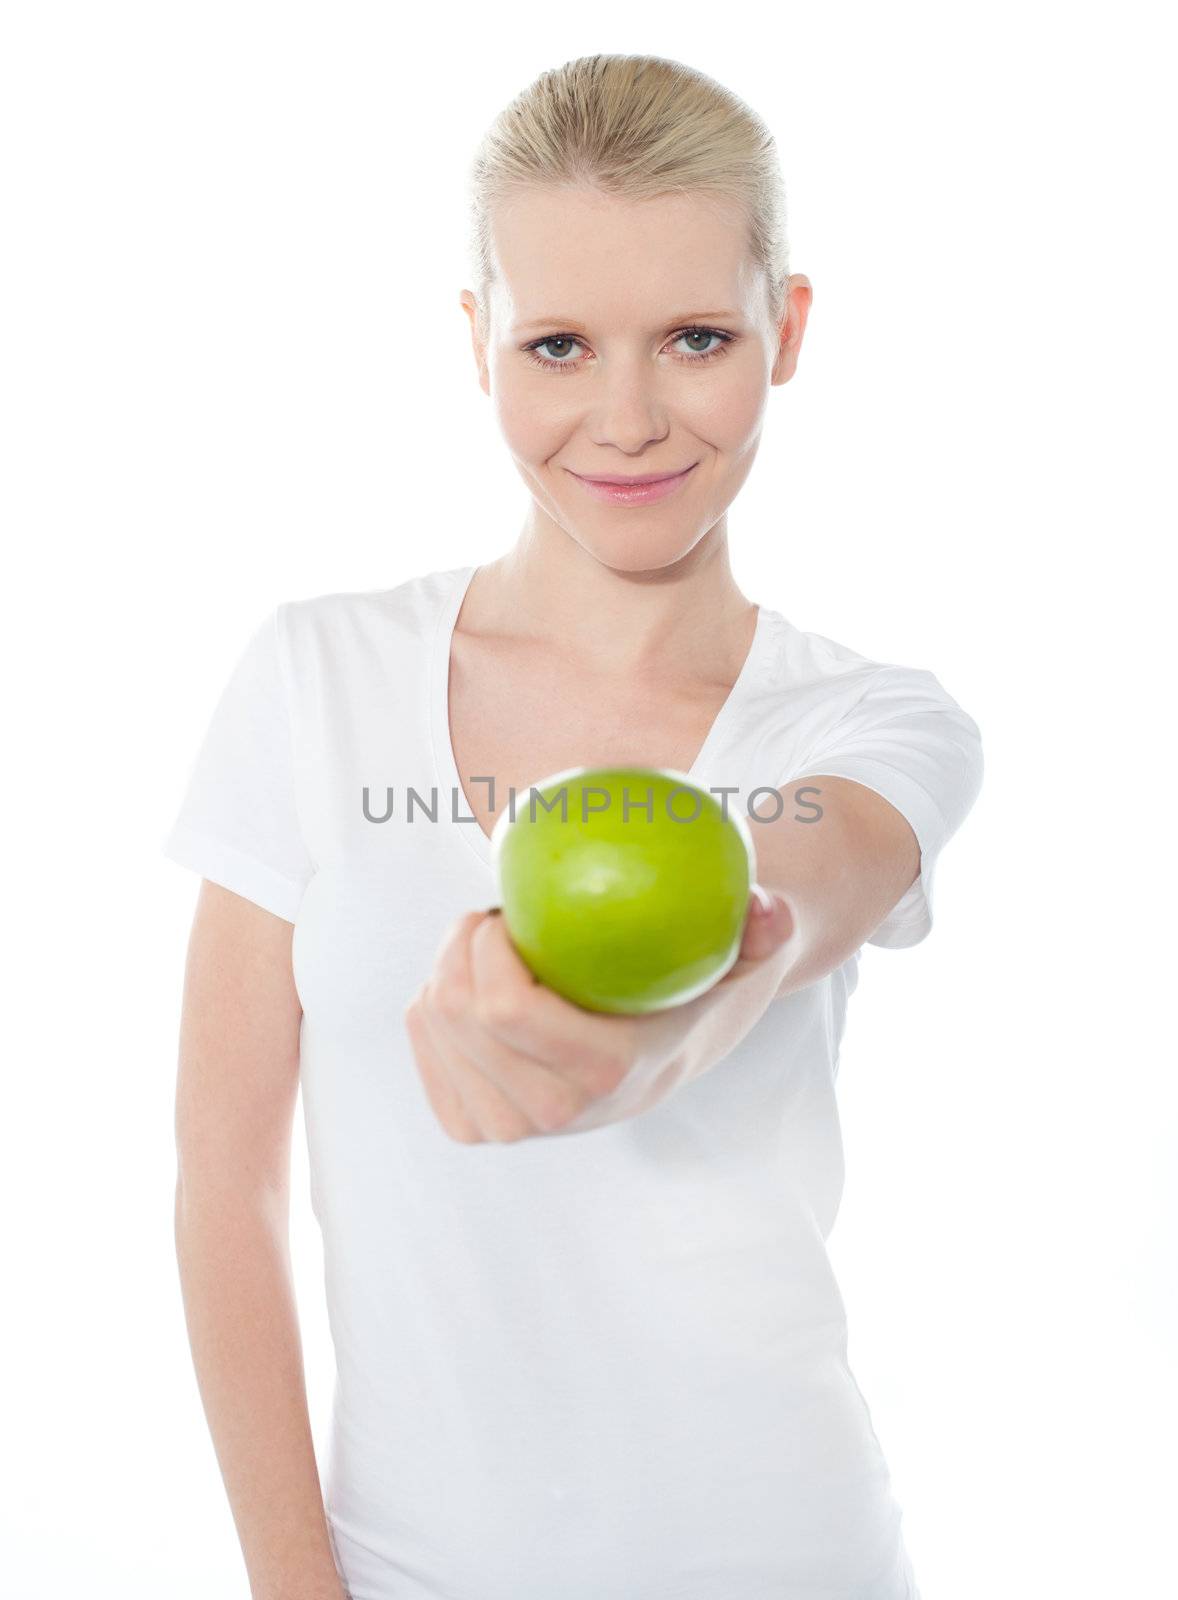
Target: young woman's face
x=630 y=338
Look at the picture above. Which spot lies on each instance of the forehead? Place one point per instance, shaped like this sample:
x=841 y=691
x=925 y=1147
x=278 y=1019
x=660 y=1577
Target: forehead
x=601 y=258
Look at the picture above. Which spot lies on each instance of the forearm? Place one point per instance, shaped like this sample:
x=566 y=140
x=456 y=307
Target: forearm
x=680 y=1043
x=827 y=920
x=242 y=1319
x=716 y=1021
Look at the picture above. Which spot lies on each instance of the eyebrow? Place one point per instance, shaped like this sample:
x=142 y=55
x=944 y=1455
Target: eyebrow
x=573 y=325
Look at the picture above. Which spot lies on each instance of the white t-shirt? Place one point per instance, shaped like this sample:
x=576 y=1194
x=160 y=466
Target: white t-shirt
x=601 y=1366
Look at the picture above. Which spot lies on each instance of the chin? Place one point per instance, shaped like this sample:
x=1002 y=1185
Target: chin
x=638 y=551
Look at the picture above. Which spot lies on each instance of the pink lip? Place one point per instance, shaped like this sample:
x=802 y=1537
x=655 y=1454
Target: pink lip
x=634 y=491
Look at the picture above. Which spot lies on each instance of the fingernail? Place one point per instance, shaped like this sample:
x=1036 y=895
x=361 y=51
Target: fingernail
x=763 y=902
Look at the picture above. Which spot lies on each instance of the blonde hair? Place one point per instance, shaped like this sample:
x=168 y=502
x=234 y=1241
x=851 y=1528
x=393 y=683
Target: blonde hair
x=635 y=126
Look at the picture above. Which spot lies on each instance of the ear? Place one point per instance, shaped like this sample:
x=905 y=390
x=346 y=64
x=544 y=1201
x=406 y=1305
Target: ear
x=467 y=301
x=798 y=297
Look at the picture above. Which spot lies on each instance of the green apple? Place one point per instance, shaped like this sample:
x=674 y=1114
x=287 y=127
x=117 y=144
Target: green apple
x=624 y=889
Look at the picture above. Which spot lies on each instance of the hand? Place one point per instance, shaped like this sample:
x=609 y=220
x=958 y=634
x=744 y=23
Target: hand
x=502 y=1057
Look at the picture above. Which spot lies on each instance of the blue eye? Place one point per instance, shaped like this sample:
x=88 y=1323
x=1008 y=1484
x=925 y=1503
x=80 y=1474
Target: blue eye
x=569 y=339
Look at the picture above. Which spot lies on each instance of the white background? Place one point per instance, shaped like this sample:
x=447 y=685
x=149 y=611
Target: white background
x=235 y=371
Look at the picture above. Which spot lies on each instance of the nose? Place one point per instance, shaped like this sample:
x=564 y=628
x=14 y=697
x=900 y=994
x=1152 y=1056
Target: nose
x=628 y=415
x=628 y=411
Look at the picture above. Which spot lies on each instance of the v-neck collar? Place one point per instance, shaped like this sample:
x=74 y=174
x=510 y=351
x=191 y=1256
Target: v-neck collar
x=451 y=792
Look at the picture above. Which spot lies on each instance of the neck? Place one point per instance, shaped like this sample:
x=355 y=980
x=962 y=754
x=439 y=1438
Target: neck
x=685 y=620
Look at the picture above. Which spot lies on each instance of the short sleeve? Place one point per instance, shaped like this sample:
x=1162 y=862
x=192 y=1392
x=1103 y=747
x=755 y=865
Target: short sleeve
x=912 y=743
x=238 y=823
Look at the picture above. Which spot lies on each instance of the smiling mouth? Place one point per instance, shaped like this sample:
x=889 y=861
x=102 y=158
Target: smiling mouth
x=616 y=481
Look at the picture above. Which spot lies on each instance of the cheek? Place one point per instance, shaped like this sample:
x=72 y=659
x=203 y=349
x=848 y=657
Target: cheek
x=530 y=420
x=727 y=410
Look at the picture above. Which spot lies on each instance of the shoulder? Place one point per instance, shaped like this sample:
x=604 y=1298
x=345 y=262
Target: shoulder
x=815 y=690
x=347 y=619
x=804 y=662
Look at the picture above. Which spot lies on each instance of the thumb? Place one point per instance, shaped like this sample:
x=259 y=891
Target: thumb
x=768 y=924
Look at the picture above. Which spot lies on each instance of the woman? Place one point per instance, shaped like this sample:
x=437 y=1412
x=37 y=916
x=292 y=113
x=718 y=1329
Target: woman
x=588 y=1341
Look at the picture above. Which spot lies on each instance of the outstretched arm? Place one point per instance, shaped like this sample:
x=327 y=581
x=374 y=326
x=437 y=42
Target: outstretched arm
x=502 y=1057
x=838 y=858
